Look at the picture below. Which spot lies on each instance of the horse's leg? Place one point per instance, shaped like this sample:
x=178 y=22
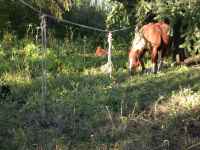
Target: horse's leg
x=142 y=65
x=154 y=59
x=161 y=58
x=141 y=61
x=130 y=66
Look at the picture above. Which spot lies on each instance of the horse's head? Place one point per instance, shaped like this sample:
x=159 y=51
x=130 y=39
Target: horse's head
x=137 y=49
x=134 y=61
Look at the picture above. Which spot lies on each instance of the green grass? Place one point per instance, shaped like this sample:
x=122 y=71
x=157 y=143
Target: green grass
x=85 y=109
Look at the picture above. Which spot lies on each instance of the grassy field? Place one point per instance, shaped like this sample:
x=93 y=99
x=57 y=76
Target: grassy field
x=76 y=106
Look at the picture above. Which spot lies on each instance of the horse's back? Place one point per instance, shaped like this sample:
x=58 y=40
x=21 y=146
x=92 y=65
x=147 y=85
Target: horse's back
x=156 y=33
x=152 y=34
x=165 y=28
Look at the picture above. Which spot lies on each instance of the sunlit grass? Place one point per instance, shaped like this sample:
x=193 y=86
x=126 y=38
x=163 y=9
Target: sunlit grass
x=181 y=102
x=82 y=100
x=21 y=78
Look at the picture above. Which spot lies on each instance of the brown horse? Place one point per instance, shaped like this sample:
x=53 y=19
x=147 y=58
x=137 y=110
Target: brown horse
x=152 y=37
x=100 y=52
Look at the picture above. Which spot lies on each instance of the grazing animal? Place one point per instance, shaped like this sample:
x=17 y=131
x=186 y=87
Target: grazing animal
x=152 y=37
x=100 y=52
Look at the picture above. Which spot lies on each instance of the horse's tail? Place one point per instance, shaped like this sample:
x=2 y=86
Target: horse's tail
x=166 y=40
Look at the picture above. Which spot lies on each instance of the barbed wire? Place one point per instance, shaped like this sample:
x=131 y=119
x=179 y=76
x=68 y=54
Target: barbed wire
x=76 y=24
x=71 y=22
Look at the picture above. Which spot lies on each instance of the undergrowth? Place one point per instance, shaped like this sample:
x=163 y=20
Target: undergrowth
x=83 y=108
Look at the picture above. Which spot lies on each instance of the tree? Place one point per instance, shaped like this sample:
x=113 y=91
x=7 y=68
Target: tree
x=55 y=7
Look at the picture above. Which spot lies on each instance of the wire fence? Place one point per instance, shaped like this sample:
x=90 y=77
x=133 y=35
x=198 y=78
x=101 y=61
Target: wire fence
x=44 y=71
x=71 y=22
x=165 y=145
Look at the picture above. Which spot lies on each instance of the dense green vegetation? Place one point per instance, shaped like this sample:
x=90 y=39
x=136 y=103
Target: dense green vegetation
x=58 y=98
x=86 y=109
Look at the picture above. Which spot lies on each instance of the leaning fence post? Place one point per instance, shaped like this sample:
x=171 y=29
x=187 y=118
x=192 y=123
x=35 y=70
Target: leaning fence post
x=43 y=26
x=84 y=50
x=110 y=53
x=44 y=46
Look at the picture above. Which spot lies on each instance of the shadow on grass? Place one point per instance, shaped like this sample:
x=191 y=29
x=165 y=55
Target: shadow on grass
x=75 y=105
x=146 y=90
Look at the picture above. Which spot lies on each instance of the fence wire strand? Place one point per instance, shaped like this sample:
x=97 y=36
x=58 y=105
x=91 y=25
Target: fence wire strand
x=73 y=23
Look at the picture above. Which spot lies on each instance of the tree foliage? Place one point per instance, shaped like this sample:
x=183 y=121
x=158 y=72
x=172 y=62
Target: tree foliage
x=76 y=89
x=55 y=7
x=183 y=15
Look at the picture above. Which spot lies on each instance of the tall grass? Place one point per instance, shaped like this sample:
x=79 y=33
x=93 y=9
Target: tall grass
x=83 y=107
